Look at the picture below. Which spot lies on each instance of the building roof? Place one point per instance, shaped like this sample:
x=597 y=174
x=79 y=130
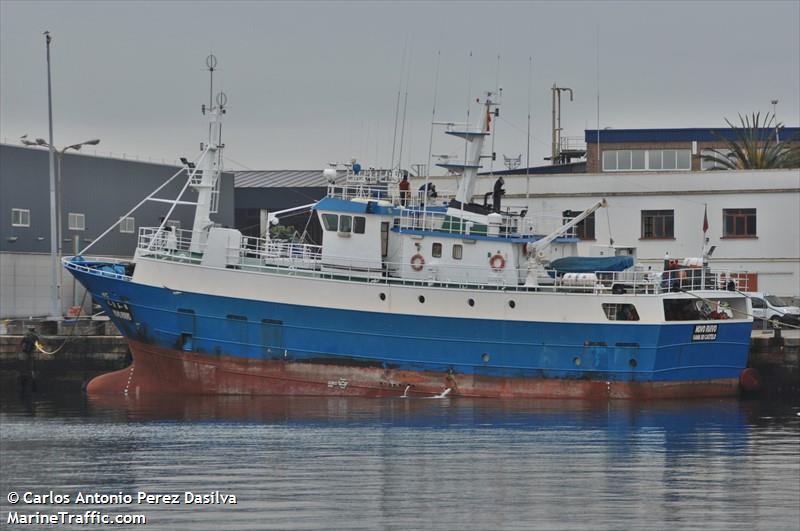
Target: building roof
x=701 y=134
x=279 y=179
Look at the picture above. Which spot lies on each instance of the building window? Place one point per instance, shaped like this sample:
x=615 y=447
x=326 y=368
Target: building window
x=359 y=224
x=20 y=217
x=609 y=161
x=436 y=250
x=458 y=251
x=647 y=159
x=739 y=222
x=712 y=164
x=638 y=159
x=658 y=224
x=583 y=230
x=654 y=159
x=127 y=225
x=76 y=221
x=330 y=221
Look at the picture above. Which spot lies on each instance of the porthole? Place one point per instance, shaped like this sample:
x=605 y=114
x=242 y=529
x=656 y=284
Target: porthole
x=382 y=296
x=421 y=298
x=485 y=357
x=632 y=362
x=471 y=302
x=512 y=304
x=577 y=361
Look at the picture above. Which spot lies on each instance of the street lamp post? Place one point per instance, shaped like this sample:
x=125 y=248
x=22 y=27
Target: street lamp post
x=775 y=117
x=55 y=288
x=59 y=155
x=55 y=210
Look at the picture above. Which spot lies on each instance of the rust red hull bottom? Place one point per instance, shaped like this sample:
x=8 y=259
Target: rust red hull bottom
x=162 y=371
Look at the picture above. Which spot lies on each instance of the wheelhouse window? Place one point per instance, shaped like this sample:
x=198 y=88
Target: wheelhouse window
x=458 y=251
x=345 y=224
x=583 y=230
x=739 y=222
x=76 y=221
x=359 y=224
x=20 y=217
x=330 y=221
x=658 y=224
x=620 y=312
x=127 y=225
x=436 y=250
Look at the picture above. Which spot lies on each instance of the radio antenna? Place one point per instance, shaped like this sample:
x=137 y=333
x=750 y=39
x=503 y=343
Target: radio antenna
x=498 y=91
x=528 y=156
x=211 y=63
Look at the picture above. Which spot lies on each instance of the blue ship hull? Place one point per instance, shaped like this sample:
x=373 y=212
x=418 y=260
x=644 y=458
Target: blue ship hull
x=406 y=354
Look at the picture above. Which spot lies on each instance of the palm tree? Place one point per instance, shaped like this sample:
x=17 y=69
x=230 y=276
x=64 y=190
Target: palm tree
x=754 y=147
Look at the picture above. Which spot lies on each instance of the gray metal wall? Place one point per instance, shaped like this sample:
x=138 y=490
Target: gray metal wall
x=251 y=200
x=103 y=189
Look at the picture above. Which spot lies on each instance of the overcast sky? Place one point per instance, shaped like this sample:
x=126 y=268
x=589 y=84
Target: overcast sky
x=314 y=82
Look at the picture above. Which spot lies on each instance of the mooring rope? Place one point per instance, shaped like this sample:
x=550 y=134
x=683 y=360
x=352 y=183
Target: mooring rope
x=40 y=347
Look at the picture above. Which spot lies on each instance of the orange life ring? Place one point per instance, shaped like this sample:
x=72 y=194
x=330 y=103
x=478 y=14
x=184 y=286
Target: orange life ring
x=497 y=263
x=417 y=262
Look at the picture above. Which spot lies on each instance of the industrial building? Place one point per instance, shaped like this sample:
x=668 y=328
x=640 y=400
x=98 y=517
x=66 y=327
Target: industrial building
x=261 y=192
x=94 y=193
x=656 y=150
x=753 y=215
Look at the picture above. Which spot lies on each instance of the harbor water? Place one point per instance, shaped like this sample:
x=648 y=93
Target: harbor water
x=329 y=463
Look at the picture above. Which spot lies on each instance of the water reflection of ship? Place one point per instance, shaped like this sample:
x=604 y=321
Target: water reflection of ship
x=673 y=419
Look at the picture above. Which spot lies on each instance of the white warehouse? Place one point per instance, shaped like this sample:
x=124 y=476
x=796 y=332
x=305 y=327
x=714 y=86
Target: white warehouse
x=753 y=216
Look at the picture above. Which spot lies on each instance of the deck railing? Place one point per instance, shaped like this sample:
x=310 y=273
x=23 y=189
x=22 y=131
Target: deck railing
x=298 y=259
x=167 y=239
x=510 y=226
x=387 y=192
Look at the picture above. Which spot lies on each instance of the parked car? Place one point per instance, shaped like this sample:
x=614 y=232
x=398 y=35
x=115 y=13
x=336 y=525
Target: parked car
x=774 y=309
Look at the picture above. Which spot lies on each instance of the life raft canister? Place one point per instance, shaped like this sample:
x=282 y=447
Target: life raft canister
x=417 y=262
x=497 y=263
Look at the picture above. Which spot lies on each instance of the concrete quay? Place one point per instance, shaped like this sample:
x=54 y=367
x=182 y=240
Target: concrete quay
x=77 y=351
x=775 y=354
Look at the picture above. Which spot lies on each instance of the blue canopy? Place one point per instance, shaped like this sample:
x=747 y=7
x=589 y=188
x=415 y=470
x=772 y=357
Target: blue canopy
x=591 y=264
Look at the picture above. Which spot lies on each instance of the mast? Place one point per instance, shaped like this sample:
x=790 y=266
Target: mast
x=205 y=177
x=475 y=140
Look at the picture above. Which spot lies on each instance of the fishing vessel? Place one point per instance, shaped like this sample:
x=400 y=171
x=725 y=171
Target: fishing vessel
x=410 y=294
